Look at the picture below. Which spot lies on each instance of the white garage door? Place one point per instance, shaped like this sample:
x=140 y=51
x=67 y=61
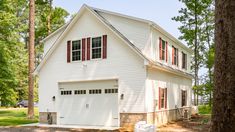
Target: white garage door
x=89 y=103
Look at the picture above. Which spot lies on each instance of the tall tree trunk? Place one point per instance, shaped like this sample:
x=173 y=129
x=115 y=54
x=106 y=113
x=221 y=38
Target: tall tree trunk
x=196 y=56
x=31 y=59
x=49 y=18
x=223 y=113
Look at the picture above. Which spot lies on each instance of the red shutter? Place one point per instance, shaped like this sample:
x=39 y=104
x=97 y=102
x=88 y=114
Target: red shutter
x=166 y=51
x=159 y=93
x=173 y=52
x=68 y=51
x=160 y=48
x=104 y=46
x=165 y=97
x=88 y=49
x=83 y=49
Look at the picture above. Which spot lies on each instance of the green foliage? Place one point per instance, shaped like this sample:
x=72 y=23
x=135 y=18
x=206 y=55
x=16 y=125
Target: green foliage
x=204 y=109
x=197 y=19
x=16 y=117
x=13 y=44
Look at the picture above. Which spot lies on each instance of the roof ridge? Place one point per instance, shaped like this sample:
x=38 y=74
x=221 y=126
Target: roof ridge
x=151 y=23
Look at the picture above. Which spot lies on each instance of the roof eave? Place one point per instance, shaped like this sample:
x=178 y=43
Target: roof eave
x=169 y=69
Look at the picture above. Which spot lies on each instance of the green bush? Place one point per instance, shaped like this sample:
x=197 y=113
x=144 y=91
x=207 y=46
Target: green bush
x=204 y=109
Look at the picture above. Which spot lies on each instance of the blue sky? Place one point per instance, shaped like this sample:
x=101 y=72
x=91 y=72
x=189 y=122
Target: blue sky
x=159 y=11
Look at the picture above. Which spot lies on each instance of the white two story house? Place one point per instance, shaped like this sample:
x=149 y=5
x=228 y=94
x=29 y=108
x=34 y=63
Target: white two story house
x=108 y=69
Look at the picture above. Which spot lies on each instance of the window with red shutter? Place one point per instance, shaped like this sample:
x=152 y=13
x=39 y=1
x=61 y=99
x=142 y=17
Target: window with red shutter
x=162 y=98
x=174 y=56
x=163 y=50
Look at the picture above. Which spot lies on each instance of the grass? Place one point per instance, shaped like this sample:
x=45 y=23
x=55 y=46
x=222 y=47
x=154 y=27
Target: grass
x=16 y=116
x=204 y=109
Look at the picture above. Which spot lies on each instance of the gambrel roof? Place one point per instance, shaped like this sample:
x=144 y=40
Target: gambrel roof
x=96 y=12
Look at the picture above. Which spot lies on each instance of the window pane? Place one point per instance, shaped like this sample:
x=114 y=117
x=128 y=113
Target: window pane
x=76 y=45
x=96 y=42
x=76 y=55
x=96 y=53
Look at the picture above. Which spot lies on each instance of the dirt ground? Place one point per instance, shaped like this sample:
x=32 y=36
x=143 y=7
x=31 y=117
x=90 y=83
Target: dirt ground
x=196 y=124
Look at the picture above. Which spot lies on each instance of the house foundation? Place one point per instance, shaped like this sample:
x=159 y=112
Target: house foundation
x=43 y=117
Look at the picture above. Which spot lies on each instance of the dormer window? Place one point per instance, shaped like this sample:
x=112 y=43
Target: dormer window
x=96 y=50
x=162 y=49
x=76 y=50
x=174 y=56
x=184 y=60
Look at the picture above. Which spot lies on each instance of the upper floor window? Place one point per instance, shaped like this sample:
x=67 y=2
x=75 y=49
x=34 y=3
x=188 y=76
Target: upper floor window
x=96 y=50
x=184 y=60
x=76 y=50
x=162 y=49
x=174 y=56
x=87 y=48
x=183 y=97
x=162 y=98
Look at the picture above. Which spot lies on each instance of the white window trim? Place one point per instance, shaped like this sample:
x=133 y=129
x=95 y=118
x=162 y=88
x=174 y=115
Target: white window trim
x=101 y=48
x=71 y=53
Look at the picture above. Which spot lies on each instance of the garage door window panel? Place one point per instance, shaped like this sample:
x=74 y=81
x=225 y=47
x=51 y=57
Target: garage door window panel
x=79 y=92
x=95 y=91
x=109 y=91
x=68 y=92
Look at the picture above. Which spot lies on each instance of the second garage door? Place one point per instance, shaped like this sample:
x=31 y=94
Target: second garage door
x=92 y=103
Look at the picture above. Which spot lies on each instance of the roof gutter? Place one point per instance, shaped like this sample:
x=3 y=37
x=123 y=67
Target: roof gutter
x=165 y=68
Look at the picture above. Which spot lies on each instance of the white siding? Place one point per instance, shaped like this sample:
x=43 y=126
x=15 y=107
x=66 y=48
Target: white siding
x=137 y=32
x=121 y=63
x=146 y=38
x=173 y=83
x=50 y=41
x=155 y=51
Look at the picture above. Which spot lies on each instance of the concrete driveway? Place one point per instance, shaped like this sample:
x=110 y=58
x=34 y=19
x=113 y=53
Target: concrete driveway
x=49 y=129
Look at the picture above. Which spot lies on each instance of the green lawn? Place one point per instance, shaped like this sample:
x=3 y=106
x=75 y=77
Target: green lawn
x=204 y=109
x=16 y=116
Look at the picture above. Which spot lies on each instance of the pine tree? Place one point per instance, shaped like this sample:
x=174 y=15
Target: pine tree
x=31 y=59
x=223 y=112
